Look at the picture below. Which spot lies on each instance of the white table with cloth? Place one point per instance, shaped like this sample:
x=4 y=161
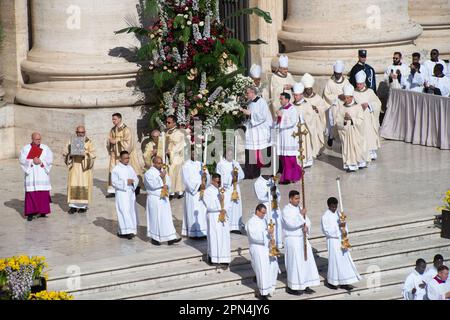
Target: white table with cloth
x=417 y=118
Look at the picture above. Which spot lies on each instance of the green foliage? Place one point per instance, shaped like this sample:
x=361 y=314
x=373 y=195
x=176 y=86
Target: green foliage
x=234 y=46
x=260 y=13
x=151 y=8
x=136 y=30
x=162 y=78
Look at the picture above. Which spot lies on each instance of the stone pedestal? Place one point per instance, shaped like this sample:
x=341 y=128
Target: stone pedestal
x=76 y=60
x=316 y=33
x=434 y=17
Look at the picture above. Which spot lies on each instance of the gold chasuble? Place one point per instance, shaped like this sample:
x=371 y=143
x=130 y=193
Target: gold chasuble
x=79 y=187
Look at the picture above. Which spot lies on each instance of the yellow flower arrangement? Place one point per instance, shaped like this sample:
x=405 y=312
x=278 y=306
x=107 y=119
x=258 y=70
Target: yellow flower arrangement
x=50 y=295
x=446 y=205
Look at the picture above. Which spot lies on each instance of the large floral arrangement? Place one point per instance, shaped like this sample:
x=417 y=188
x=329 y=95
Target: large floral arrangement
x=191 y=60
x=18 y=273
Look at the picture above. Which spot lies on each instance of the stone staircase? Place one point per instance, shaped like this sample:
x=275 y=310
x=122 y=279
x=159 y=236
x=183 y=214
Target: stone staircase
x=384 y=256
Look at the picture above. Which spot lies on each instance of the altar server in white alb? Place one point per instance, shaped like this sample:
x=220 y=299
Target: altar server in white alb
x=266 y=268
x=195 y=180
x=124 y=180
x=36 y=161
x=372 y=107
x=219 y=250
x=160 y=226
x=348 y=116
x=257 y=134
x=231 y=175
x=414 y=287
x=341 y=269
x=431 y=272
x=301 y=274
x=439 y=288
x=268 y=194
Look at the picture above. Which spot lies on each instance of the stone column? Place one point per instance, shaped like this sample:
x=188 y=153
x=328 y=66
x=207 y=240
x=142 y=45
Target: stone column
x=76 y=60
x=434 y=17
x=259 y=29
x=316 y=33
x=14 y=20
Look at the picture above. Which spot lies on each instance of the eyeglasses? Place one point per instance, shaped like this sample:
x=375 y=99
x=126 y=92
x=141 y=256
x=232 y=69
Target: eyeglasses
x=395 y=58
x=81 y=131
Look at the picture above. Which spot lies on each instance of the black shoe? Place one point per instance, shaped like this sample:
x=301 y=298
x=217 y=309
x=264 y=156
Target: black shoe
x=110 y=195
x=330 y=142
x=43 y=215
x=82 y=210
x=209 y=260
x=72 y=210
x=181 y=196
x=330 y=286
x=156 y=243
x=347 y=287
x=224 y=266
x=294 y=292
x=171 y=242
x=236 y=231
x=261 y=297
x=121 y=235
x=308 y=290
x=130 y=236
x=30 y=217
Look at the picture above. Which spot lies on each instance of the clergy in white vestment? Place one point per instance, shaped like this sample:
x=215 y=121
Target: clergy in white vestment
x=265 y=267
x=268 y=193
x=125 y=181
x=160 y=227
x=219 y=248
x=261 y=86
x=257 y=133
x=348 y=117
x=432 y=62
x=319 y=105
x=301 y=274
x=281 y=81
x=227 y=168
x=313 y=140
x=341 y=269
x=439 y=288
x=333 y=89
x=414 y=287
x=195 y=179
x=287 y=146
x=431 y=272
x=438 y=82
x=372 y=107
x=36 y=161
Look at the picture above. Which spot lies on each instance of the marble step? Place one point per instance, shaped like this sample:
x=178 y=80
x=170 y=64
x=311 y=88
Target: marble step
x=182 y=282
x=190 y=268
x=194 y=250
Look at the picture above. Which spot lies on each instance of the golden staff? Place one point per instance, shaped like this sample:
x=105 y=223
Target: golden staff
x=274 y=252
x=164 y=191
x=203 y=185
x=301 y=157
x=235 y=194
x=222 y=217
x=345 y=244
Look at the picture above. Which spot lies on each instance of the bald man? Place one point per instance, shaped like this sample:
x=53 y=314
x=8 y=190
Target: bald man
x=80 y=164
x=36 y=161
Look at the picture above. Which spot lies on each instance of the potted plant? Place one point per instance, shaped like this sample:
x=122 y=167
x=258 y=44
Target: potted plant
x=445 y=218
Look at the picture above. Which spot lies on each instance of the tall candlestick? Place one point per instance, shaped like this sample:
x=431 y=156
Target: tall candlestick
x=338 y=180
x=163 y=137
x=274 y=155
x=235 y=146
x=269 y=208
x=206 y=148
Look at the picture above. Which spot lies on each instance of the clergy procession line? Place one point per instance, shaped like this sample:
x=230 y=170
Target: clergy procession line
x=296 y=132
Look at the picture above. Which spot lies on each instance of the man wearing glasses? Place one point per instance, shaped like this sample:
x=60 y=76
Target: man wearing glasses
x=79 y=156
x=397 y=71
